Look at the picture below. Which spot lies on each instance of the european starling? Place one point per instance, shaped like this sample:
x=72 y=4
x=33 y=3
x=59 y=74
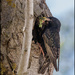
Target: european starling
x=46 y=33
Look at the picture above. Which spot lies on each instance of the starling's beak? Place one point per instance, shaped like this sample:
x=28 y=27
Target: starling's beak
x=47 y=19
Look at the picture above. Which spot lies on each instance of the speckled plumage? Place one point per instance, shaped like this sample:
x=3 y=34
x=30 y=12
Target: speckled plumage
x=48 y=37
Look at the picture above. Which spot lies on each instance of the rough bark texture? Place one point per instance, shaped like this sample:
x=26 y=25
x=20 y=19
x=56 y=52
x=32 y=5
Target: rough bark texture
x=27 y=38
x=12 y=22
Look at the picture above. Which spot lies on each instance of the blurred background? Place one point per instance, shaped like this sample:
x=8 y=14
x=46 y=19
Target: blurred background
x=64 y=11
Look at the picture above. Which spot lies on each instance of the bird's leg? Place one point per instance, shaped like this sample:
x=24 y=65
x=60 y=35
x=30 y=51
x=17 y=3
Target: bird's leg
x=41 y=50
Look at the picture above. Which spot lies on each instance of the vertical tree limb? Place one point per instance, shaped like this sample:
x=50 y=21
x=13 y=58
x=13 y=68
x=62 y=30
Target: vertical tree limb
x=27 y=30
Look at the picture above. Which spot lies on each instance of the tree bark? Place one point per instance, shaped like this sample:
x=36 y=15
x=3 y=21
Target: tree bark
x=27 y=31
x=17 y=23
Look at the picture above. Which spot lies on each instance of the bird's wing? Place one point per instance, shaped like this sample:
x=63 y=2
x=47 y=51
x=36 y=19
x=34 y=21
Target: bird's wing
x=52 y=45
x=53 y=41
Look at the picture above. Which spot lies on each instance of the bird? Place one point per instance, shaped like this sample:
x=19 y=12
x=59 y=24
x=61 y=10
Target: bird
x=46 y=34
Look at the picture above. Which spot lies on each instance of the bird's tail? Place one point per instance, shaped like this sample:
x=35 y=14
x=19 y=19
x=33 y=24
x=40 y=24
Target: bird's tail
x=43 y=68
x=54 y=61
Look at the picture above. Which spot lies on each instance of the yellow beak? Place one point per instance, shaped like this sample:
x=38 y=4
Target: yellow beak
x=47 y=19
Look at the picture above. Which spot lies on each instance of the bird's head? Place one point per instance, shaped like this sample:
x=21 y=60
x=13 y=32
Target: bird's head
x=42 y=20
x=49 y=21
x=55 y=23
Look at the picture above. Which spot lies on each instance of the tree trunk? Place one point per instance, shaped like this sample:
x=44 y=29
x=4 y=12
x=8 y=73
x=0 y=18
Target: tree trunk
x=16 y=35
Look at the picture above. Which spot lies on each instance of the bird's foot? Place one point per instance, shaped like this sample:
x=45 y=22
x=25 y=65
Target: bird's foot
x=41 y=50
